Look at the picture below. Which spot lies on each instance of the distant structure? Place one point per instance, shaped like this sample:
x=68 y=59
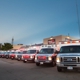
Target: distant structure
x=17 y=46
x=56 y=39
x=78 y=17
x=12 y=41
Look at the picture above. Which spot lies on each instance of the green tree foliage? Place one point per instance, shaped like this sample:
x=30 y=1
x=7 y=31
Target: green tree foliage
x=6 y=46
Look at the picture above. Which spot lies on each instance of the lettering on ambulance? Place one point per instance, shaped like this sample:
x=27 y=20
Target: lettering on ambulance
x=73 y=41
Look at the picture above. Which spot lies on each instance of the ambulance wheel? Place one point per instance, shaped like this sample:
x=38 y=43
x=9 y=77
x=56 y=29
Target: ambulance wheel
x=37 y=64
x=24 y=61
x=59 y=69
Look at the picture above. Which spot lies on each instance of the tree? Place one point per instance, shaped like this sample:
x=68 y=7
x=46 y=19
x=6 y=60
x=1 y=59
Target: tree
x=0 y=46
x=6 y=46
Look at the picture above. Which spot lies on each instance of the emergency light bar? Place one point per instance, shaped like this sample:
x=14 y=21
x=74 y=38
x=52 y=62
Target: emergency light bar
x=69 y=42
x=66 y=43
x=17 y=50
x=8 y=51
x=12 y=50
x=34 y=48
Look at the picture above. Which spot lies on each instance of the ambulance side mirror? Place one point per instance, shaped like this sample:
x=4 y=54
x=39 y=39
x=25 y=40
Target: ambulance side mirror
x=56 y=51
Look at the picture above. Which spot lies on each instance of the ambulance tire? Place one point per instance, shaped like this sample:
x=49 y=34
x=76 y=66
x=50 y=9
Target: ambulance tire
x=24 y=61
x=37 y=64
x=53 y=64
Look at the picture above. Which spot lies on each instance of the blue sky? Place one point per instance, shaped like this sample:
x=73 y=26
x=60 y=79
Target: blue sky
x=30 y=21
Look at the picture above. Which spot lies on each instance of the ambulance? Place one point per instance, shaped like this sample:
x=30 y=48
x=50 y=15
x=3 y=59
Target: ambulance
x=14 y=53
x=68 y=57
x=30 y=55
x=47 y=55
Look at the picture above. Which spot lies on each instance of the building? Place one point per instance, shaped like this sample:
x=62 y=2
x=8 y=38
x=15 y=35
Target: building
x=18 y=46
x=55 y=39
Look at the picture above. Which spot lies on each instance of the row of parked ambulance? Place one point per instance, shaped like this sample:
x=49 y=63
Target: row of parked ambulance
x=46 y=54
x=66 y=56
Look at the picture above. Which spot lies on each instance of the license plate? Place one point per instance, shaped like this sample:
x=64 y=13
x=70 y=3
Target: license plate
x=41 y=62
x=70 y=67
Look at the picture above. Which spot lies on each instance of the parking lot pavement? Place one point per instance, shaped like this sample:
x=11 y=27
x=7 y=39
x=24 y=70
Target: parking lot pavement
x=17 y=70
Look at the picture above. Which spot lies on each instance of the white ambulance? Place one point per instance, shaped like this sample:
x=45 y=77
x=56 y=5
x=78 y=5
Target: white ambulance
x=68 y=57
x=46 y=55
x=30 y=55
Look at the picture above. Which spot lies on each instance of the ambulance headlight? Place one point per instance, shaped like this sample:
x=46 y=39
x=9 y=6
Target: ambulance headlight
x=58 y=59
x=31 y=56
x=35 y=58
x=16 y=56
x=49 y=58
x=22 y=57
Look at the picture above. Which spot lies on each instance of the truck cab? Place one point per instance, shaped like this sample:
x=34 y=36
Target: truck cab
x=69 y=56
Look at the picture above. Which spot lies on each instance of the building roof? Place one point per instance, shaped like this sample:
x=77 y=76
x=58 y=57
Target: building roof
x=61 y=36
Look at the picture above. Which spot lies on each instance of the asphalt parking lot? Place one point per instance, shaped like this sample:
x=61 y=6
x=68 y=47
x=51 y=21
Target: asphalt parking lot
x=17 y=70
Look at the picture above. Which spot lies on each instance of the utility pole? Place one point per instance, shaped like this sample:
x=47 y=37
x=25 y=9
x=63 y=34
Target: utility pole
x=78 y=17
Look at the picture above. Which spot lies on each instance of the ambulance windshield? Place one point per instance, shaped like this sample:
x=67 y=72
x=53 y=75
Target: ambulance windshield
x=31 y=51
x=46 y=50
x=70 y=49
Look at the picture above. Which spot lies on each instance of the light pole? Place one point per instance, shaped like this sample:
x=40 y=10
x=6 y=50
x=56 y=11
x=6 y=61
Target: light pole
x=78 y=17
